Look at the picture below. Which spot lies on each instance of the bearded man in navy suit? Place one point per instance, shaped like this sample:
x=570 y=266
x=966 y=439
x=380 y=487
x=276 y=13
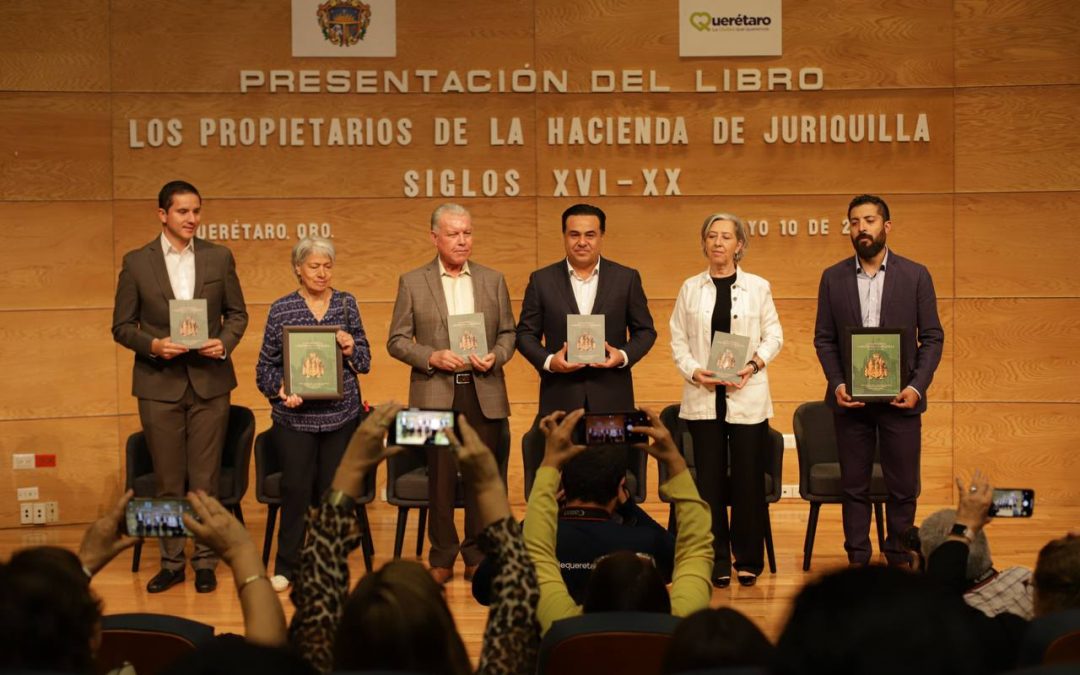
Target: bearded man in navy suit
x=877 y=288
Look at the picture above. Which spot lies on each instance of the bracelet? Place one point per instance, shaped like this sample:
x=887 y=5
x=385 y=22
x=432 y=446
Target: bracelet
x=246 y=582
x=753 y=364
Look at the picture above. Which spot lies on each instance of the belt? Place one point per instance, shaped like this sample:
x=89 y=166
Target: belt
x=463 y=378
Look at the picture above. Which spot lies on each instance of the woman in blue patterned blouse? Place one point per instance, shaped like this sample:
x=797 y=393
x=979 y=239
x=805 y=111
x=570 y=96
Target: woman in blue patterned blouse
x=310 y=436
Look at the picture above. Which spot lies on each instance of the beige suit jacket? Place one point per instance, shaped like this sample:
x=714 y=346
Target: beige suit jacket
x=419 y=327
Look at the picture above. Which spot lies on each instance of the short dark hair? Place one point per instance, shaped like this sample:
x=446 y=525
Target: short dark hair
x=594 y=475
x=717 y=638
x=173 y=188
x=1057 y=576
x=585 y=210
x=626 y=582
x=48 y=612
x=882 y=207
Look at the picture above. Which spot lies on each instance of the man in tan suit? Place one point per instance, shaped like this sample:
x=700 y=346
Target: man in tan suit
x=419 y=336
x=183 y=394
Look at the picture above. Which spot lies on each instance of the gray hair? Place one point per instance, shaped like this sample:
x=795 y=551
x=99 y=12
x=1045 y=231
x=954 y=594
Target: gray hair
x=936 y=529
x=311 y=245
x=740 y=231
x=442 y=209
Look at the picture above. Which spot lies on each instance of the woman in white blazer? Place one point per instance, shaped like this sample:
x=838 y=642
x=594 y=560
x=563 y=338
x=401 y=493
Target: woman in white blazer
x=727 y=298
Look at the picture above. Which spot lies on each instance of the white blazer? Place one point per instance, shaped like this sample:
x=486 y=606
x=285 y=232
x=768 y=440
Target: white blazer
x=753 y=314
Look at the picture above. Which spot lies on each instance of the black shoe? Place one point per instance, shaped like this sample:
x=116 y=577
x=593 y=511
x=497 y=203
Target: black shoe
x=746 y=578
x=721 y=581
x=164 y=580
x=205 y=581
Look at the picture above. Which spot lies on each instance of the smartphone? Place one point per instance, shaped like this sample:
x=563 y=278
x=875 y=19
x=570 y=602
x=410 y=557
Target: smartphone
x=157 y=518
x=1012 y=503
x=602 y=428
x=418 y=427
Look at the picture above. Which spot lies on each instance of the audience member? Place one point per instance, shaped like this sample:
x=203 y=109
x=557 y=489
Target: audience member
x=52 y=618
x=986 y=589
x=1057 y=576
x=231 y=654
x=598 y=517
x=397 y=618
x=620 y=581
x=717 y=638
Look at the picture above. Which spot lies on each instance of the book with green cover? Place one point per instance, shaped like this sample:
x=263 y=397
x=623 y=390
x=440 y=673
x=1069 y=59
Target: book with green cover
x=468 y=335
x=188 y=324
x=728 y=355
x=585 y=338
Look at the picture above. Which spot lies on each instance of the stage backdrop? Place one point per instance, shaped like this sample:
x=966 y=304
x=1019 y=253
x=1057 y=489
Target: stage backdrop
x=354 y=120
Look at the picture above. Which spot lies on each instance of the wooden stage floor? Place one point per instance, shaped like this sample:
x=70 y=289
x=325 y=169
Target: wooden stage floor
x=1012 y=542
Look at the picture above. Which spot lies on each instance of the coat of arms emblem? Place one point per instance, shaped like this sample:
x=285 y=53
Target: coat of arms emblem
x=344 y=22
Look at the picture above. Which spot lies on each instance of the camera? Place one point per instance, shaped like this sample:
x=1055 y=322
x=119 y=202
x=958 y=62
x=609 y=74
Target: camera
x=1012 y=503
x=416 y=427
x=157 y=517
x=603 y=428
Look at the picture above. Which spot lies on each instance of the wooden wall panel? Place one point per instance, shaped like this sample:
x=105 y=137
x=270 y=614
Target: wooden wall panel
x=1017 y=350
x=54 y=146
x=376 y=240
x=1017 y=139
x=661 y=238
x=755 y=166
x=57 y=364
x=322 y=171
x=1001 y=256
x=1016 y=42
x=488 y=34
x=856 y=45
x=87 y=475
x=59 y=46
x=1029 y=445
x=58 y=255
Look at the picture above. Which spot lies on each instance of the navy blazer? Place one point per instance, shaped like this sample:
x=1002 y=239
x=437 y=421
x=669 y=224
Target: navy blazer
x=628 y=326
x=908 y=302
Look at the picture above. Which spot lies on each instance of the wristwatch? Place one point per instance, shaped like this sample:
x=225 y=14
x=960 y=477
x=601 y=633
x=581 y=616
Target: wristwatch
x=334 y=497
x=964 y=531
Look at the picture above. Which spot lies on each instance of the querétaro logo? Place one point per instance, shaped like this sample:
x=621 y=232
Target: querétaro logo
x=703 y=21
x=344 y=22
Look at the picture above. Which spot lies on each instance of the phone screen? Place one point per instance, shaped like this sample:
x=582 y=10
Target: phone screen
x=602 y=428
x=1012 y=503
x=157 y=518
x=422 y=427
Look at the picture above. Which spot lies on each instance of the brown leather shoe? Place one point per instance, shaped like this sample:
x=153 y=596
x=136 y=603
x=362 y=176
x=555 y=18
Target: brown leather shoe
x=470 y=572
x=441 y=574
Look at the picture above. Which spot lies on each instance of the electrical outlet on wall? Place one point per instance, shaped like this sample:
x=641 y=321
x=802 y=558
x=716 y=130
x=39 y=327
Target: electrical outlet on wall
x=26 y=513
x=52 y=512
x=39 y=513
x=789 y=491
x=27 y=494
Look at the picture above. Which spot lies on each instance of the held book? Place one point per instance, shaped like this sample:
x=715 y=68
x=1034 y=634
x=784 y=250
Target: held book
x=468 y=335
x=188 y=324
x=585 y=338
x=728 y=355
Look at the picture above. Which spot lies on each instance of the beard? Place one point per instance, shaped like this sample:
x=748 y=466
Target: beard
x=867 y=247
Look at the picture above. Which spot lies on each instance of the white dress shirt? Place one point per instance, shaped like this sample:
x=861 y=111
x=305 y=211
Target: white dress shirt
x=181 y=268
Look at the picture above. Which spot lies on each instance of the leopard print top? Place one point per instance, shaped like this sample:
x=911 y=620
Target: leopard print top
x=512 y=634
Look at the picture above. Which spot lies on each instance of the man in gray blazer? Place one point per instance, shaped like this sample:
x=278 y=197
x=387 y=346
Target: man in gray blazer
x=419 y=336
x=877 y=288
x=183 y=394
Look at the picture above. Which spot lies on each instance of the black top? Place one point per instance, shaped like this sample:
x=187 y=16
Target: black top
x=721 y=313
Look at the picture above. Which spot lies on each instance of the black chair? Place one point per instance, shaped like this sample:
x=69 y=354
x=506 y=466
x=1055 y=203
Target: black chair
x=819 y=471
x=532 y=454
x=607 y=642
x=232 y=480
x=774 y=471
x=1044 y=633
x=149 y=642
x=407 y=486
x=268 y=491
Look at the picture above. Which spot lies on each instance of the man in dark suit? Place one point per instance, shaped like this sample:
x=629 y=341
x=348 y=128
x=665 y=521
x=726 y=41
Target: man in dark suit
x=584 y=284
x=877 y=288
x=183 y=394
x=420 y=337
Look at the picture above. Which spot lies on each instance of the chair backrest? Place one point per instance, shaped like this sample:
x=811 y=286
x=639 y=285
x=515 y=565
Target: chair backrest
x=137 y=461
x=150 y=642
x=774 y=467
x=680 y=433
x=1042 y=634
x=607 y=642
x=236 y=454
x=1065 y=649
x=532 y=454
x=267 y=463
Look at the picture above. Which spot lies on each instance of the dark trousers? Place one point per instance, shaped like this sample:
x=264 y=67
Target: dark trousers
x=185 y=438
x=442 y=488
x=744 y=491
x=308 y=462
x=899 y=438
